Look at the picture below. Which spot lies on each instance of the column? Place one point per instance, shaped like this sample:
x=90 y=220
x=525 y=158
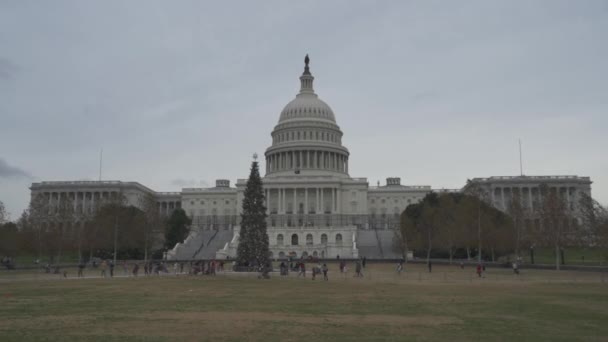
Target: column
x=317 y=201
x=568 y=197
x=338 y=206
x=306 y=201
x=333 y=200
x=346 y=163
x=530 y=197
x=322 y=204
x=300 y=159
x=308 y=160
x=293 y=208
x=502 y=196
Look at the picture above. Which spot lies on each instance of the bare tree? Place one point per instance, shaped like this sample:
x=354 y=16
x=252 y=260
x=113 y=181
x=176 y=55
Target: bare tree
x=400 y=238
x=38 y=220
x=3 y=213
x=63 y=223
x=594 y=222
x=153 y=223
x=556 y=226
x=518 y=215
x=451 y=232
x=481 y=197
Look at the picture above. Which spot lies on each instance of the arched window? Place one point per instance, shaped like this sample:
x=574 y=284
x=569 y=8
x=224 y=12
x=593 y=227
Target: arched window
x=339 y=239
x=315 y=254
x=308 y=239
x=304 y=254
x=280 y=239
x=294 y=240
x=324 y=239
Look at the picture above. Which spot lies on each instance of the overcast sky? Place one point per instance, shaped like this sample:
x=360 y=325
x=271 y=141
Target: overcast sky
x=180 y=93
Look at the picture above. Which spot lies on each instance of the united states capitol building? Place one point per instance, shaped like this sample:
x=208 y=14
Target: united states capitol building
x=315 y=208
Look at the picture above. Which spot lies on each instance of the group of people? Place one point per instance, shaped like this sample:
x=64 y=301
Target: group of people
x=107 y=268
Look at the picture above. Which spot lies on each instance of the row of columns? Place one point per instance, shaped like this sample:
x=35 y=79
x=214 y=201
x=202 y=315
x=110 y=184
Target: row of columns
x=530 y=197
x=79 y=198
x=85 y=199
x=281 y=196
x=306 y=159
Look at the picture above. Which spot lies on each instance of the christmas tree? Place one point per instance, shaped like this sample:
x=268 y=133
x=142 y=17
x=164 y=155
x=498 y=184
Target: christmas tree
x=253 y=239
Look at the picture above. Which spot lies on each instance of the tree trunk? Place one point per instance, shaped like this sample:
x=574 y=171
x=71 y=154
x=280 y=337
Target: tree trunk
x=146 y=247
x=516 y=227
x=479 y=233
x=557 y=266
x=451 y=254
x=428 y=251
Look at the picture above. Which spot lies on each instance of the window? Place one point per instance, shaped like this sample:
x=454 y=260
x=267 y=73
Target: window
x=191 y=202
x=339 y=239
x=324 y=239
x=280 y=239
x=294 y=240
x=309 y=240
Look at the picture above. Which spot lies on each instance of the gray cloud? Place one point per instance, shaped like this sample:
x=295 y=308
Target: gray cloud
x=8 y=69
x=8 y=171
x=198 y=86
x=185 y=183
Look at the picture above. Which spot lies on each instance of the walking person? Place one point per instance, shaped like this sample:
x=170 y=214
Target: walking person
x=302 y=270
x=103 y=267
x=111 y=269
x=81 y=269
x=358 y=273
x=135 y=269
x=363 y=262
x=324 y=269
x=400 y=266
x=479 y=270
x=515 y=268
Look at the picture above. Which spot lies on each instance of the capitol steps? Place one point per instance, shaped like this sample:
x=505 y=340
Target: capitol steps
x=200 y=245
x=376 y=244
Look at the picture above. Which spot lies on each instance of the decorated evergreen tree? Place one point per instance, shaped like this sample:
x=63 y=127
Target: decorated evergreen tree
x=253 y=239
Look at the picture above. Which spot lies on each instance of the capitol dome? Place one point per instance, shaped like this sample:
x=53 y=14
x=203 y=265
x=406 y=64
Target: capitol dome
x=307 y=139
x=306 y=107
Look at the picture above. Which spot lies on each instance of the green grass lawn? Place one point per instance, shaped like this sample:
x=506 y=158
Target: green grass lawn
x=573 y=256
x=448 y=304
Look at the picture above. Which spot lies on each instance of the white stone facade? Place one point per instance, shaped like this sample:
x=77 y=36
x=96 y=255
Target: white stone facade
x=315 y=208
